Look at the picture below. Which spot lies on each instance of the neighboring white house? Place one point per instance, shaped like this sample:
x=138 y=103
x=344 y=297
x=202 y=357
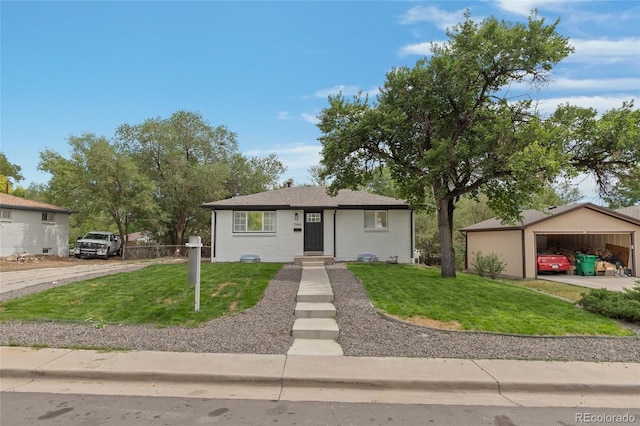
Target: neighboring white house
x=32 y=227
x=281 y=225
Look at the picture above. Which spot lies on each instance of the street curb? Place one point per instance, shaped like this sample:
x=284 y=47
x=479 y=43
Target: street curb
x=289 y=372
x=354 y=383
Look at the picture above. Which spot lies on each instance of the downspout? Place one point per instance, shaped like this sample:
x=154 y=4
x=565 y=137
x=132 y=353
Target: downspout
x=524 y=256
x=412 y=232
x=632 y=254
x=466 y=250
x=335 y=243
x=214 y=222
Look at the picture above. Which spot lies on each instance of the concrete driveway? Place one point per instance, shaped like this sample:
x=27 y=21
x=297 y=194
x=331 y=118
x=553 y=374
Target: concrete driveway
x=14 y=280
x=610 y=283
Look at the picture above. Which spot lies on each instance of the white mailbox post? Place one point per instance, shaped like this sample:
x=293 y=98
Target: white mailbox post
x=195 y=253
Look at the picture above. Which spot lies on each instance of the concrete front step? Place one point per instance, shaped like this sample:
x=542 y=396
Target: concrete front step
x=318 y=347
x=320 y=260
x=314 y=292
x=315 y=310
x=315 y=328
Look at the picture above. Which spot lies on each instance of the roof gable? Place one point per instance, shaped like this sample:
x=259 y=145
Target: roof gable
x=307 y=197
x=19 y=203
x=531 y=217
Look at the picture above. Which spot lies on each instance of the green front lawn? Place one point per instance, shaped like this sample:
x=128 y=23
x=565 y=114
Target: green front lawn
x=475 y=303
x=157 y=295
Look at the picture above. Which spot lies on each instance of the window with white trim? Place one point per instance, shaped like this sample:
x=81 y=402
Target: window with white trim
x=375 y=219
x=258 y=221
x=48 y=217
x=5 y=214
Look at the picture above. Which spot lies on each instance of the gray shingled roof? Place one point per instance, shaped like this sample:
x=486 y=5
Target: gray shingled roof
x=530 y=217
x=633 y=211
x=307 y=197
x=12 y=202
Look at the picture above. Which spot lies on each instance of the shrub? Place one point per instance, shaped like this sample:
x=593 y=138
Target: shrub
x=489 y=265
x=623 y=305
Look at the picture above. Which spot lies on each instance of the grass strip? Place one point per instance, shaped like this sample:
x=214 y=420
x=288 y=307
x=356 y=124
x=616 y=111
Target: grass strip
x=157 y=295
x=476 y=303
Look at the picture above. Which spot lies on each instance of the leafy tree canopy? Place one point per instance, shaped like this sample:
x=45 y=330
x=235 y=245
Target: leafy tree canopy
x=448 y=127
x=8 y=171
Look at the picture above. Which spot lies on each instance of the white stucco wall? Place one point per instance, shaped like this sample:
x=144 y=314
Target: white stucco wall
x=281 y=246
x=351 y=239
x=26 y=232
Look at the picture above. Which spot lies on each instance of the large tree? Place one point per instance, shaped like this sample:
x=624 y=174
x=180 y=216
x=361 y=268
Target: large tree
x=448 y=127
x=190 y=162
x=100 y=181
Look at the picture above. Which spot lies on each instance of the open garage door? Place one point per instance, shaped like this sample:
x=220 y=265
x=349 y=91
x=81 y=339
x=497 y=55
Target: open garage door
x=612 y=249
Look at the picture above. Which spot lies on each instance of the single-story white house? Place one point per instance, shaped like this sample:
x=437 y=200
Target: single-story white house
x=28 y=226
x=576 y=227
x=286 y=224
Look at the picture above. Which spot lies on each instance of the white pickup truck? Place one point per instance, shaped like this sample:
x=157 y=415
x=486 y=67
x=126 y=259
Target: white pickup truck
x=98 y=244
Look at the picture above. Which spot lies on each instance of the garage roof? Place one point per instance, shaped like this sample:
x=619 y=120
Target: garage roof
x=633 y=211
x=530 y=217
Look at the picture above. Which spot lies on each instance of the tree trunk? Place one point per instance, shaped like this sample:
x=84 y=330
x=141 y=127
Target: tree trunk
x=445 y=229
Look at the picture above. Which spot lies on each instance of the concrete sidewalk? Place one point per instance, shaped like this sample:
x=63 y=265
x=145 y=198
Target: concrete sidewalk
x=322 y=378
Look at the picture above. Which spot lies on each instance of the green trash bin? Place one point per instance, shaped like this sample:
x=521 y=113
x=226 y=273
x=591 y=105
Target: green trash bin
x=586 y=264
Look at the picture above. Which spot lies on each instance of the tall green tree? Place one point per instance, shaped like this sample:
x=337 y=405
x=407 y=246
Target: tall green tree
x=190 y=162
x=8 y=172
x=100 y=180
x=447 y=127
x=626 y=191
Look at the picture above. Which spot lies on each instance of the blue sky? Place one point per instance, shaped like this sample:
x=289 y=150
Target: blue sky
x=263 y=69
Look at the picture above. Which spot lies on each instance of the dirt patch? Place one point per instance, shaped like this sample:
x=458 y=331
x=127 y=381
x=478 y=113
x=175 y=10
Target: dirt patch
x=431 y=323
x=220 y=287
x=27 y=262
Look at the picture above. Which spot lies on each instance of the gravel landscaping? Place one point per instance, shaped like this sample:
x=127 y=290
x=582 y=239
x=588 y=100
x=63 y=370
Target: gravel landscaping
x=266 y=329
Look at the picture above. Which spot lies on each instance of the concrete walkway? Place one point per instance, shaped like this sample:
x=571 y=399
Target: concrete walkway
x=610 y=283
x=322 y=378
x=315 y=329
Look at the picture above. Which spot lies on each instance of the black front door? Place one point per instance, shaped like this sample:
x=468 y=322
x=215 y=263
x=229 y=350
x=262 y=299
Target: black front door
x=313 y=231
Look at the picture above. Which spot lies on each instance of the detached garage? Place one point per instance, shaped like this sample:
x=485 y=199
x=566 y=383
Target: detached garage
x=584 y=228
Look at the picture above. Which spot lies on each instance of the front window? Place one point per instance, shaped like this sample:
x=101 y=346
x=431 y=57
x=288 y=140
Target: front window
x=254 y=221
x=5 y=214
x=375 y=219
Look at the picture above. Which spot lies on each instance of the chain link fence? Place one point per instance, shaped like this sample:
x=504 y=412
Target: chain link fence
x=157 y=252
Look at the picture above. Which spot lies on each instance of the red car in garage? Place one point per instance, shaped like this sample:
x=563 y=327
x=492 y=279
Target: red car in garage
x=550 y=262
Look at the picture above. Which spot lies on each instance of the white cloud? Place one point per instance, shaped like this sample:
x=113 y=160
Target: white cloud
x=439 y=17
x=310 y=118
x=283 y=115
x=421 y=49
x=587 y=84
x=599 y=103
x=332 y=91
x=296 y=157
x=346 y=91
x=596 y=85
x=606 y=51
x=524 y=7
